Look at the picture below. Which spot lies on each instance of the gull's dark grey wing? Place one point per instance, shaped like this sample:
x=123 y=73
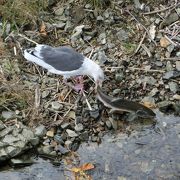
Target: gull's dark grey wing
x=61 y=58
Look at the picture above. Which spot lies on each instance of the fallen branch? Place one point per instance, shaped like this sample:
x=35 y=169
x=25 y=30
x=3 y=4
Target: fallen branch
x=30 y=40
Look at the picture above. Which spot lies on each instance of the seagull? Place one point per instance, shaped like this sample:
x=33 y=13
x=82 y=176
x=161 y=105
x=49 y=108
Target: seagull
x=65 y=61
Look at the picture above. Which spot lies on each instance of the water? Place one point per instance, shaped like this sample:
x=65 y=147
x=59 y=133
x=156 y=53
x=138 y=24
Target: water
x=147 y=153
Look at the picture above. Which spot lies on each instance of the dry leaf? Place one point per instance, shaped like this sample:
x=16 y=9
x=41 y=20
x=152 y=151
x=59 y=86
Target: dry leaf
x=152 y=31
x=43 y=29
x=164 y=42
x=86 y=166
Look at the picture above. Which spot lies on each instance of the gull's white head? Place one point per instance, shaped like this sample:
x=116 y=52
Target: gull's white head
x=94 y=70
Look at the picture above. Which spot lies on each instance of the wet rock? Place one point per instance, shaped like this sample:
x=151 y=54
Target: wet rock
x=173 y=87
x=74 y=146
x=71 y=133
x=79 y=127
x=58 y=139
x=62 y=149
x=165 y=106
x=119 y=77
x=84 y=136
x=178 y=65
x=56 y=105
x=16 y=162
x=8 y=114
x=40 y=131
x=171 y=74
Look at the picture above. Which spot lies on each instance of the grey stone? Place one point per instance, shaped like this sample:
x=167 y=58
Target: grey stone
x=6 y=131
x=170 y=48
x=58 y=139
x=59 y=25
x=178 y=65
x=40 y=131
x=65 y=125
x=102 y=57
x=100 y=18
x=10 y=139
x=19 y=162
x=178 y=54
x=159 y=63
x=28 y=134
x=47 y=149
x=108 y=124
x=34 y=141
x=12 y=151
x=148 y=99
x=169 y=66
x=71 y=133
x=114 y=123
x=59 y=11
x=173 y=87
x=56 y=105
x=62 y=149
x=45 y=94
x=84 y=136
x=8 y=114
x=94 y=113
x=79 y=127
x=3 y=154
x=171 y=74
x=122 y=35
x=102 y=38
x=154 y=91
x=2 y=126
x=119 y=77
x=116 y=91
x=149 y=80
x=87 y=50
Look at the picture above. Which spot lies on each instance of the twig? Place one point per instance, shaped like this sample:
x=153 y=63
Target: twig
x=140 y=69
x=142 y=26
x=161 y=10
x=68 y=111
x=170 y=40
x=140 y=43
x=30 y=40
x=37 y=97
x=88 y=104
